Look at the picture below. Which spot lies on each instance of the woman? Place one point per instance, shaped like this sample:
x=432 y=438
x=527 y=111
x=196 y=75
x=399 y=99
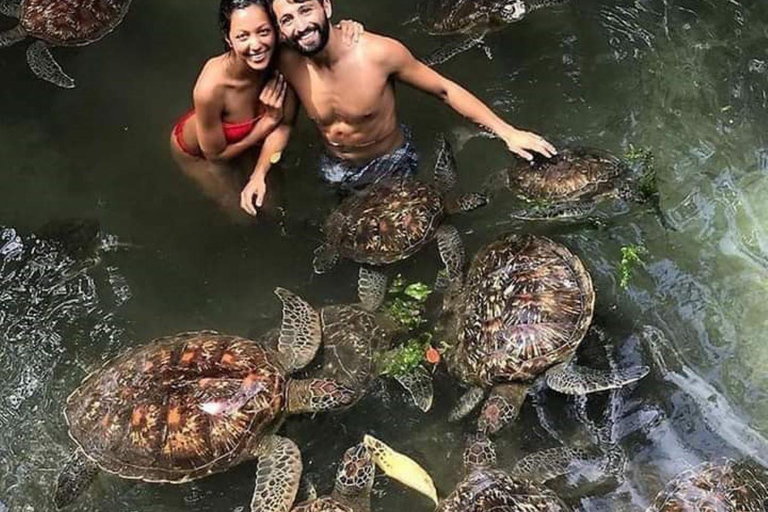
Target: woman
x=240 y=102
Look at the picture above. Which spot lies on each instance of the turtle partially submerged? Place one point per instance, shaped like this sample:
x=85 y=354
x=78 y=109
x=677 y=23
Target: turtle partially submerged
x=723 y=486
x=193 y=404
x=59 y=23
x=521 y=312
x=574 y=183
x=484 y=487
x=391 y=220
x=475 y=18
x=354 y=481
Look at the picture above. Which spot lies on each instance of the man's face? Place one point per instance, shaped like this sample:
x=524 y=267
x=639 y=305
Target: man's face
x=304 y=24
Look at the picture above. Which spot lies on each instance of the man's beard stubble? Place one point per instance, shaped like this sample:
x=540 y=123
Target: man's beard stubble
x=323 y=30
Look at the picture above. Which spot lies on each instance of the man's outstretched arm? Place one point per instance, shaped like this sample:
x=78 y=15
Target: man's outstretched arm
x=409 y=70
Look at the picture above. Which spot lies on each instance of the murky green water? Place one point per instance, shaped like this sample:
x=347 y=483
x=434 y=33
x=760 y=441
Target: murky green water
x=688 y=79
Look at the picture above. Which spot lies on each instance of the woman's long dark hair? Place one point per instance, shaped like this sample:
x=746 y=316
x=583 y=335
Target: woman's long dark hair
x=227 y=7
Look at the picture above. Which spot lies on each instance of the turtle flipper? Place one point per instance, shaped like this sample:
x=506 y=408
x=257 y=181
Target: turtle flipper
x=326 y=257
x=418 y=383
x=447 y=52
x=318 y=395
x=502 y=407
x=12 y=36
x=467 y=403
x=43 y=65
x=451 y=252
x=300 y=332
x=401 y=467
x=11 y=8
x=76 y=475
x=564 y=211
x=546 y=465
x=571 y=379
x=371 y=288
x=468 y=202
x=445 y=166
x=278 y=475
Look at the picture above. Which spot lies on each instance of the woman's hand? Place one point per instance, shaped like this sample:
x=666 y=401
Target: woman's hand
x=273 y=97
x=521 y=142
x=253 y=194
x=350 y=31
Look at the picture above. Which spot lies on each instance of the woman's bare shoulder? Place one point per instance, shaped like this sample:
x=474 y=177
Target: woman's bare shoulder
x=212 y=80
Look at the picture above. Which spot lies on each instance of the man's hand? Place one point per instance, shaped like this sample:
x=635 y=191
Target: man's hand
x=350 y=31
x=273 y=97
x=521 y=143
x=253 y=193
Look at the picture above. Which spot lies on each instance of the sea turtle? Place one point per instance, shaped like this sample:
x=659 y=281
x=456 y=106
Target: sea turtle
x=475 y=18
x=484 y=487
x=573 y=183
x=522 y=310
x=722 y=486
x=394 y=218
x=192 y=404
x=354 y=480
x=59 y=23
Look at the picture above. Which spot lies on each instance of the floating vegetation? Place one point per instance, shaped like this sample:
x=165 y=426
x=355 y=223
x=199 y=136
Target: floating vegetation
x=405 y=359
x=406 y=301
x=643 y=160
x=630 y=258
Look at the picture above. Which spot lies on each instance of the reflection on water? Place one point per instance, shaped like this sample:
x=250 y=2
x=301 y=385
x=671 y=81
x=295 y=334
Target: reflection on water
x=687 y=79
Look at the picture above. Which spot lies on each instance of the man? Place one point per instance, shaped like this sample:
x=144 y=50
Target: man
x=348 y=91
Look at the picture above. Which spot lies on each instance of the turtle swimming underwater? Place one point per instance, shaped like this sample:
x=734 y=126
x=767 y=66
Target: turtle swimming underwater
x=573 y=183
x=394 y=218
x=354 y=480
x=474 y=17
x=522 y=311
x=484 y=487
x=193 y=404
x=724 y=486
x=59 y=23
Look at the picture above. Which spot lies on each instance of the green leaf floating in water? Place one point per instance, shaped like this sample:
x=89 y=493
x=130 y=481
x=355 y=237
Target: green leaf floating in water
x=406 y=302
x=407 y=357
x=643 y=159
x=630 y=257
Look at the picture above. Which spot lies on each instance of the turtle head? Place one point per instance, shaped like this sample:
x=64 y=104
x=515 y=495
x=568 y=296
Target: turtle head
x=318 y=395
x=510 y=11
x=479 y=452
x=355 y=474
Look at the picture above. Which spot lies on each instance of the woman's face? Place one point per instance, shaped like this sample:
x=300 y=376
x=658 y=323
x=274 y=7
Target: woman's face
x=252 y=37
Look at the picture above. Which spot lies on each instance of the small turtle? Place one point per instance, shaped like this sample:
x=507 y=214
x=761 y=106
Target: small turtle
x=193 y=404
x=354 y=480
x=725 y=486
x=394 y=218
x=573 y=183
x=521 y=312
x=59 y=23
x=475 y=18
x=484 y=487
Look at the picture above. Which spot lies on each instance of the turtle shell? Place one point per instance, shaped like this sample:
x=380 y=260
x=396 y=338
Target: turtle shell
x=443 y=17
x=572 y=175
x=324 y=504
x=147 y=414
x=388 y=222
x=726 y=486
x=526 y=305
x=72 y=22
x=488 y=490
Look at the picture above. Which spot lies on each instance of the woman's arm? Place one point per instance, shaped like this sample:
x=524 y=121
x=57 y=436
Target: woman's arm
x=208 y=109
x=255 y=190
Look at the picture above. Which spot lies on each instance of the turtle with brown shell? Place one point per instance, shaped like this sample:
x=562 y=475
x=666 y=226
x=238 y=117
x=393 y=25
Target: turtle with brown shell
x=193 y=404
x=393 y=219
x=521 y=312
x=59 y=23
x=722 y=486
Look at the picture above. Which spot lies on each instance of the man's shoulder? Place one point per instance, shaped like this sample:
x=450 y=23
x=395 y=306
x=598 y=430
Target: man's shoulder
x=381 y=47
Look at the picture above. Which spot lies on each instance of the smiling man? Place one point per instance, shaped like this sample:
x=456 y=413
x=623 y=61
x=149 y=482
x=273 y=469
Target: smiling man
x=348 y=91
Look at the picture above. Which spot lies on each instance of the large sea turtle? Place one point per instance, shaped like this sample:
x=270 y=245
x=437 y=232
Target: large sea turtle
x=573 y=183
x=522 y=311
x=722 y=486
x=354 y=480
x=484 y=487
x=189 y=405
x=59 y=23
x=475 y=18
x=394 y=218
